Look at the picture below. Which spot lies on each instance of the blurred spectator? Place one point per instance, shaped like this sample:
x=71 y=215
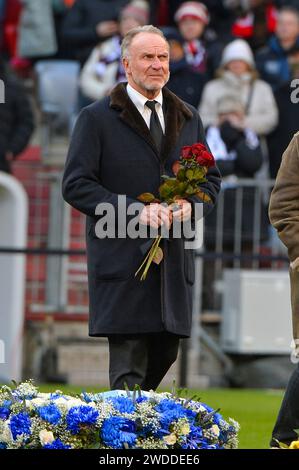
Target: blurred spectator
x=60 y=10
x=103 y=70
x=273 y=60
x=185 y=83
x=2 y=18
x=235 y=147
x=287 y=99
x=88 y=22
x=238 y=154
x=202 y=54
x=163 y=12
x=255 y=22
x=238 y=75
x=16 y=120
x=11 y=11
x=37 y=37
x=289 y=3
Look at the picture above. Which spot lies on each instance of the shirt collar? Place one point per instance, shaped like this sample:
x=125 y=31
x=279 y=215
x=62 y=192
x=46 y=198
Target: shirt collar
x=139 y=100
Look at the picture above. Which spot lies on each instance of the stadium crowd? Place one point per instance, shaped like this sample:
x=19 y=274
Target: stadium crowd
x=234 y=60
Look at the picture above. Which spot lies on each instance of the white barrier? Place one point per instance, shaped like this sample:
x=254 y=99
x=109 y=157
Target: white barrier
x=13 y=234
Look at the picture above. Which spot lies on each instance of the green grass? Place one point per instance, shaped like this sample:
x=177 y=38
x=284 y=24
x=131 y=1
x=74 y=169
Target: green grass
x=255 y=410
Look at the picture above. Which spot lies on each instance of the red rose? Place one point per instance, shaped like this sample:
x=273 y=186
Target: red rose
x=186 y=152
x=202 y=155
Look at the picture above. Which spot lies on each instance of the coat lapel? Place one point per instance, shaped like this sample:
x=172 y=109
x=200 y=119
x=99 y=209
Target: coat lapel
x=175 y=117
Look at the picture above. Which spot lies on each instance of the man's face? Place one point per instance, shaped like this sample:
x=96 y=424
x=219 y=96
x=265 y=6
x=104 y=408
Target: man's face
x=147 y=66
x=191 y=28
x=287 y=28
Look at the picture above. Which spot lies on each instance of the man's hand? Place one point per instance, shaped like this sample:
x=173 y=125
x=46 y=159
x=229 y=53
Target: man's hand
x=156 y=215
x=185 y=212
x=106 y=28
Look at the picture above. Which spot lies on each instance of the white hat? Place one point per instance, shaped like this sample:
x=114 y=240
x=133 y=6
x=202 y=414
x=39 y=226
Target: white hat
x=238 y=50
x=194 y=10
x=137 y=9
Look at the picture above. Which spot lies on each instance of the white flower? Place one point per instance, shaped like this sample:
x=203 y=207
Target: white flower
x=74 y=402
x=36 y=401
x=46 y=437
x=215 y=430
x=5 y=433
x=61 y=401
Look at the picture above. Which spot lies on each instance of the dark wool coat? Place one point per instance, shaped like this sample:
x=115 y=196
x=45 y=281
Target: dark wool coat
x=79 y=26
x=16 y=118
x=112 y=153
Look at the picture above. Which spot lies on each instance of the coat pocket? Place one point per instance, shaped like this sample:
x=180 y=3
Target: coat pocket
x=112 y=259
x=189 y=266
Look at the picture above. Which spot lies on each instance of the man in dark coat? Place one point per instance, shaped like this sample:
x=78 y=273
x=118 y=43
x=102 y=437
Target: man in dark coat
x=88 y=22
x=274 y=61
x=115 y=151
x=16 y=118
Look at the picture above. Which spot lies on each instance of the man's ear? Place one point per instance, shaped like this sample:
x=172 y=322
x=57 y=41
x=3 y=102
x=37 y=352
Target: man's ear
x=126 y=64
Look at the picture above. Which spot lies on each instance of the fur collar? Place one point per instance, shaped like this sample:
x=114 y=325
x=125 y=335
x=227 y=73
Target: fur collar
x=175 y=117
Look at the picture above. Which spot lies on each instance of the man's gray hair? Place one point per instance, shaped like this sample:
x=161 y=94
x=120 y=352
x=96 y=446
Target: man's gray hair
x=127 y=40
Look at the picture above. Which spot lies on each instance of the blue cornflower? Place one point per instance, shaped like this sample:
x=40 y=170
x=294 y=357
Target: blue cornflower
x=141 y=399
x=55 y=396
x=82 y=414
x=117 y=430
x=20 y=424
x=50 y=413
x=171 y=411
x=3 y=445
x=123 y=404
x=57 y=444
x=194 y=438
x=4 y=412
x=217 y=418
x=86 y=397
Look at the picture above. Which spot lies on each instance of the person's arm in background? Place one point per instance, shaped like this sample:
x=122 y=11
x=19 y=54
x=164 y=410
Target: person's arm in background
x=93 y=85
x=76 y=33
x=264 y=115
x=246 y=145
x=207 y=106
x=23 y=123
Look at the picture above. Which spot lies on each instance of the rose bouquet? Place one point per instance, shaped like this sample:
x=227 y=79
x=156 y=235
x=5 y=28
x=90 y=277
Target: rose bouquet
x=189 y=173
x=111 y=420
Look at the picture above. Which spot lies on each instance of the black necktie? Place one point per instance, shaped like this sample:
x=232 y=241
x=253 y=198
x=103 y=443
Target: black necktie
x=155 y=125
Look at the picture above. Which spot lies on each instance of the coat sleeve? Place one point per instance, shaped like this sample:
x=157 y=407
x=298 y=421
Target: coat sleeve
x=212 y=186
x=73 y=31
x=23 y=123
x=81 y=184
x=284 y=200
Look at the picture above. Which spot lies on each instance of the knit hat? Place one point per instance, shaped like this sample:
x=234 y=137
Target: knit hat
x=137 y=9
x=229 y=103
x=238 y=50
x=194 y=10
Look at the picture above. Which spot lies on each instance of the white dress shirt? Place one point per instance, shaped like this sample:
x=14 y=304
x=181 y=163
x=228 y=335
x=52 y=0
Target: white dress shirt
x=139 y=101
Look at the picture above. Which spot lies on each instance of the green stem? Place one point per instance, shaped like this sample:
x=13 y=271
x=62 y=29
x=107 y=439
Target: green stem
x=153 y=251
x=148 y=254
